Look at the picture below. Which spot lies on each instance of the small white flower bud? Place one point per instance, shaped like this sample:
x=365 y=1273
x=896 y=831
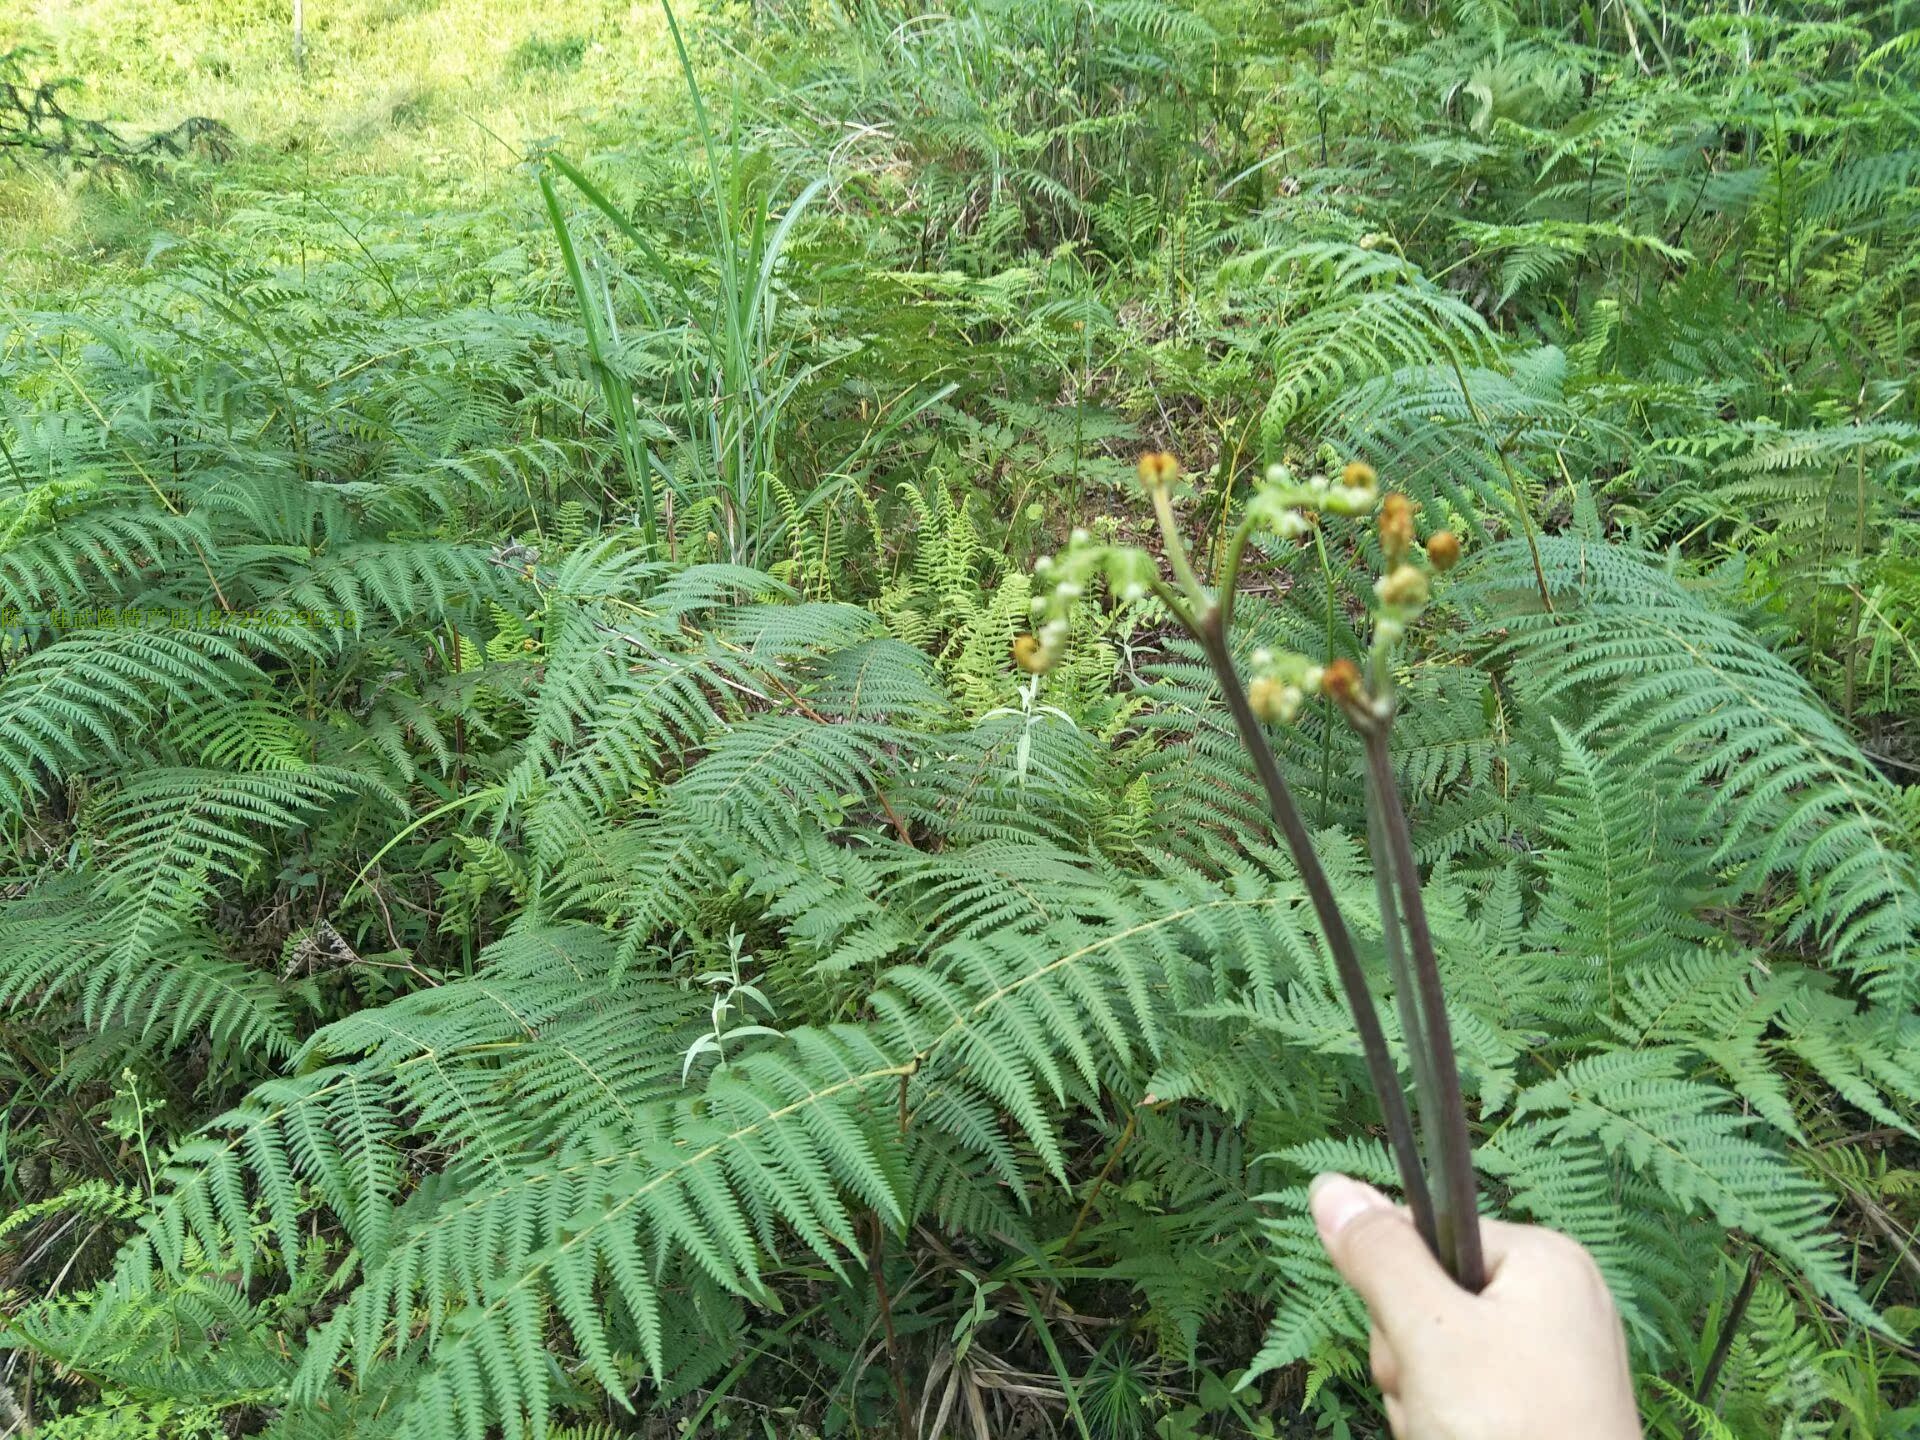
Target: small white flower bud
x=1404 y=585
x=1263 y=697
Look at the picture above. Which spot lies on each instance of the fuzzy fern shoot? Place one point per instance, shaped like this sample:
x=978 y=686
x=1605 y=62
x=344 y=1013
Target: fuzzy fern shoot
x=1283 y=509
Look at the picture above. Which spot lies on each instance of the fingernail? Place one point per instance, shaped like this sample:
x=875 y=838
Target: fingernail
x=1337 y=1200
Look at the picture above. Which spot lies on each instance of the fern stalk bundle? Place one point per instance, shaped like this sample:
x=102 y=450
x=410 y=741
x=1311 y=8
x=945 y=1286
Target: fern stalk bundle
x=1443 y=1207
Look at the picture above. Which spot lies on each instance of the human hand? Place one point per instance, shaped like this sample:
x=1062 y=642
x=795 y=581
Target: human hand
x=1538 y=1353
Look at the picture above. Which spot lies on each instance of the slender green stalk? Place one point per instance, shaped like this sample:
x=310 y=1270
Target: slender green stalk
x=1229 y=572
x=733 y=382
x=1176 y=549
x=617 y=397
x=1520 y=506
x=1859 y=554
x=1326 y=731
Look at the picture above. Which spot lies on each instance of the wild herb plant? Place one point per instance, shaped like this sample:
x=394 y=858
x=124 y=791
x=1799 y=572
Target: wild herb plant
x=396 y=822
x=1285 y=509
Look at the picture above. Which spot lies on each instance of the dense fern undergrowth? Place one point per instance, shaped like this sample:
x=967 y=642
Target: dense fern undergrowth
x=538 y=901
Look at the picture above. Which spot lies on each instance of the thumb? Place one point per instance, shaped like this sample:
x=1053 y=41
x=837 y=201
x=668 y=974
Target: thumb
x=1375 y=1248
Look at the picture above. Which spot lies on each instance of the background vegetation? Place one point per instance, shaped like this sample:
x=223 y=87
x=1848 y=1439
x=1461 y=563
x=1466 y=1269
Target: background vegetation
x=538 y=901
